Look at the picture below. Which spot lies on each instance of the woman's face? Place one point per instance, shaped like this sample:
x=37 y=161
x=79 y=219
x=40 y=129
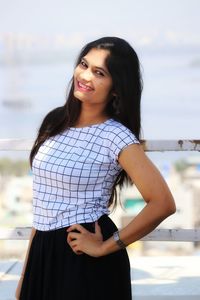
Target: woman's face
x=92 y=81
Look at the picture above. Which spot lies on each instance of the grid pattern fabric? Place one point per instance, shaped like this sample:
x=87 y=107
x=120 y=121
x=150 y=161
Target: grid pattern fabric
x=74 y=172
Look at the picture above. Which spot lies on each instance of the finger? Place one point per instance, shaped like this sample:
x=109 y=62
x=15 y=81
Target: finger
x=97 y=229
x=77 y=227
x=74 y=247
x=72 y=235
x=79 y=252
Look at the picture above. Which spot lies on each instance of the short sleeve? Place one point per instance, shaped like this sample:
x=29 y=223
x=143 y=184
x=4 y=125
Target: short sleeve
x=119 y=139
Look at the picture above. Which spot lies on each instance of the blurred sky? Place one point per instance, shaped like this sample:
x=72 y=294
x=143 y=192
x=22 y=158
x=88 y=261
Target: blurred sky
x=156 y=22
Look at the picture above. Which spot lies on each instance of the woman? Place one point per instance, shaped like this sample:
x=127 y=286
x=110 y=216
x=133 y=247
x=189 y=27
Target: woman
x=83 y=150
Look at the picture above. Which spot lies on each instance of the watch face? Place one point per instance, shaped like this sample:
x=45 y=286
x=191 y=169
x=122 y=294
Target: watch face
x=118 y=241
x=116 y=236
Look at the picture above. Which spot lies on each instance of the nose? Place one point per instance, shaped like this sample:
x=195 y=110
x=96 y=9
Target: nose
x=86 y=75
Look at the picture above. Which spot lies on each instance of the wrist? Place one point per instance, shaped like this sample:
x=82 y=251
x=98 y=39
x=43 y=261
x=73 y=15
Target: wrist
x=118 y=241
x=109 y=246
x=102 y=249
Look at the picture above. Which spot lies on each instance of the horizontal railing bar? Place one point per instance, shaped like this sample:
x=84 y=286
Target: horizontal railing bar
x=172 y=235
x=149 y=145
x=171 y=145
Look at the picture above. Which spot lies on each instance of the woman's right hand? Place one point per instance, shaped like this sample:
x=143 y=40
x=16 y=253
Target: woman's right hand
x=18 y=289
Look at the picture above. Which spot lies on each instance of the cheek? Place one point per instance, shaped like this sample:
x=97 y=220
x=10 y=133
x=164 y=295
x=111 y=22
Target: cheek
x=76 y=71
x=106 y=85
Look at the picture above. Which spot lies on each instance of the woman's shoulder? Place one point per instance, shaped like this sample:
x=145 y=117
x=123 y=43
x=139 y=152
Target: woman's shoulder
x=113 y=124
x=115 y=127
x=116 y=132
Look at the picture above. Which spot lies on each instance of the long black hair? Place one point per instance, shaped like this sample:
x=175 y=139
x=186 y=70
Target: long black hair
x=124 y=67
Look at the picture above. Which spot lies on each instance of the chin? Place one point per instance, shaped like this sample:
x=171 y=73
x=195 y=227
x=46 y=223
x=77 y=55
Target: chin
x=78 y=96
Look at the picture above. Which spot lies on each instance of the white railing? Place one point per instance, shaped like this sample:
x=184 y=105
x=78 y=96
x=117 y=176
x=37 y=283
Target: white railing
x=178 y=235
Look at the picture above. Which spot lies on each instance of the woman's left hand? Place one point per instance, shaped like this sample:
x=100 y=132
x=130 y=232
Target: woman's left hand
x=85 y=241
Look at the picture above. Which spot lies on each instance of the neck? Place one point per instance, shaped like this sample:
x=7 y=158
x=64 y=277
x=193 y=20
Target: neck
x=88 y=117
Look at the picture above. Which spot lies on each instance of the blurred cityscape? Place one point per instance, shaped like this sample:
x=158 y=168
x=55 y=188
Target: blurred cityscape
x=23 y=48
x=27 y=48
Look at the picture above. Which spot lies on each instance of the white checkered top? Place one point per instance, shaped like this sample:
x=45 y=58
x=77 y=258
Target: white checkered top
x=74 y=172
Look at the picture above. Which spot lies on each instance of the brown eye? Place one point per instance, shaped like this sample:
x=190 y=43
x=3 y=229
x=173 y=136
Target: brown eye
x=99 y=73
x=82 y=63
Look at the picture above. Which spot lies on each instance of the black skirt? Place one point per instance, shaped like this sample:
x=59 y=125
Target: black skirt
x=55 y=272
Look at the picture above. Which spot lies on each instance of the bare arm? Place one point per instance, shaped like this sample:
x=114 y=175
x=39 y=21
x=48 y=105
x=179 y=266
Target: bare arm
x=154 y=190
x=18 y=290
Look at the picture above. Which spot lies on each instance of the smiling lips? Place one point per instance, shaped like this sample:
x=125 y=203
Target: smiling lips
x=83 y=87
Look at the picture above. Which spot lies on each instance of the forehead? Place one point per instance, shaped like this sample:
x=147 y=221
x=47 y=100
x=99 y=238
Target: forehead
x=97 y=57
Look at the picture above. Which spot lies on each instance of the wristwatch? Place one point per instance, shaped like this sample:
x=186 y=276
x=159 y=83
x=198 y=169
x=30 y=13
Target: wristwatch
x=117 y=240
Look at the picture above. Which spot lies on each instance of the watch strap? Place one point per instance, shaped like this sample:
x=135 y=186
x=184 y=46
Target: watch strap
x=119 y=242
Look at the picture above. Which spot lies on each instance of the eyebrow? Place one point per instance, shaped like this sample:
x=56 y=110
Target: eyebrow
x=96 y=66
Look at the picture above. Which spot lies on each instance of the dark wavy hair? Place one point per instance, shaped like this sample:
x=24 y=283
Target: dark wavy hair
x=124 y=66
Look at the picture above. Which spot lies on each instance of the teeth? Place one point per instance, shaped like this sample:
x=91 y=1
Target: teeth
x=84 y=86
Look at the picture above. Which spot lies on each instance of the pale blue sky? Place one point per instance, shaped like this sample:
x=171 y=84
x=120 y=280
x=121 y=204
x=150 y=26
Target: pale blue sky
x=147 y=22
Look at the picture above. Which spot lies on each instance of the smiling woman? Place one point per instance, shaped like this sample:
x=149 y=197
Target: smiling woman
x=83 y=151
